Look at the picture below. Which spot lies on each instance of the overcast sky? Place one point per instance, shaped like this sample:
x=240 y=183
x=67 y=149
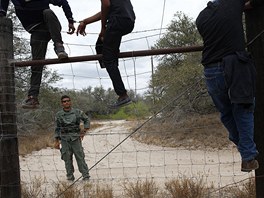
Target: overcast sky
x=149 y=17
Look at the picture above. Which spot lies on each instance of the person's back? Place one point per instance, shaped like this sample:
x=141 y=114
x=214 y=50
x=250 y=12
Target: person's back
x=122 y=8
x=220 y=25
x=30 y=12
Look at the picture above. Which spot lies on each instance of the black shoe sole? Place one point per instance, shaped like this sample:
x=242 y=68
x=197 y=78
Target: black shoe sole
x=121 y=105
x=86 y=178
x=30 y=106
x=248 y=170
x=62 y=56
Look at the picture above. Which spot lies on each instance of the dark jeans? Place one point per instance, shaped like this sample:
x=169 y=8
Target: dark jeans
x=237 y=118
x=116 y=28
x=40 y=36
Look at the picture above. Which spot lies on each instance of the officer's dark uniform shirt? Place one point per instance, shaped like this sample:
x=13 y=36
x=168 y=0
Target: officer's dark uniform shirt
x=68 y=124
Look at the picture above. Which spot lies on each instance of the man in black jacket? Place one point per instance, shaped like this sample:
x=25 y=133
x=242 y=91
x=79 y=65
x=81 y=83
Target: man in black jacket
x=230 y=73
x=41 y=22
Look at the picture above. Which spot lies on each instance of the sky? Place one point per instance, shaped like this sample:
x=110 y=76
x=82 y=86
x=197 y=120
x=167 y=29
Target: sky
x=136 y=72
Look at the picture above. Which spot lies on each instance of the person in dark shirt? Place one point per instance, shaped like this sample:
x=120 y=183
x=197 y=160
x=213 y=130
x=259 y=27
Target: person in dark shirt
x=230 y=73
x=41 y=22
x=117 y=19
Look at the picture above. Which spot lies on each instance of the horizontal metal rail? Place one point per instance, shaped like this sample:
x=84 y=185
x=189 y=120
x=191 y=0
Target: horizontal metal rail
x=99 y=56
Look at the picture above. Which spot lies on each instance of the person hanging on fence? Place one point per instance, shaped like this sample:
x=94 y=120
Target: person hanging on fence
x=69 y=135
x=41 y=22
x=230 y=73
x=117 y=19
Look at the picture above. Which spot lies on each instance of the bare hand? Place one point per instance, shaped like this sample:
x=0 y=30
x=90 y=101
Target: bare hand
x=71 y=28
x=57 y=144
x=81 y=29
x=82 y=134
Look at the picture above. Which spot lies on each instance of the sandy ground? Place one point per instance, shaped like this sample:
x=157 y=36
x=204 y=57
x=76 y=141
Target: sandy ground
x=133 y=161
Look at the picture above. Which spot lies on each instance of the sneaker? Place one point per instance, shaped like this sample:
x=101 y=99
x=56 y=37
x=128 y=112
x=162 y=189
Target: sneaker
x=60 y=51
x=70 y=178
x=250 y=165
x=86 y=178
x=121 y=102
x=30 y=103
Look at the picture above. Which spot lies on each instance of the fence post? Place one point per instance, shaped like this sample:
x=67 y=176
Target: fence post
x=9 y=158
x=254 y=26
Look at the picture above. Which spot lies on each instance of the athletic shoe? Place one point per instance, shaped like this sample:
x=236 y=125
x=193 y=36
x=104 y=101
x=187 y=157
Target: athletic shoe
x=30 y=103
x=70 y=178
x=86 y=178
x=60 y=51
x=121 y=101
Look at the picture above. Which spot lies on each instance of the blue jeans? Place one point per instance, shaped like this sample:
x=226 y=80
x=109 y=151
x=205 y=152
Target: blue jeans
x=237 y=118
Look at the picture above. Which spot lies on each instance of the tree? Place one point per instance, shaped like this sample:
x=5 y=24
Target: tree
x=176 y=73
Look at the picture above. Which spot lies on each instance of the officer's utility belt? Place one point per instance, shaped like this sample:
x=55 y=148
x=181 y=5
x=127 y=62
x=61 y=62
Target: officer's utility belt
x=70 y=130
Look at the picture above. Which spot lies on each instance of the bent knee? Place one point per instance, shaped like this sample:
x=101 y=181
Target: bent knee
x=47 y=11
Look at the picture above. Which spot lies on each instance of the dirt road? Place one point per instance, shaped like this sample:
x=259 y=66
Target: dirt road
x=133 y=161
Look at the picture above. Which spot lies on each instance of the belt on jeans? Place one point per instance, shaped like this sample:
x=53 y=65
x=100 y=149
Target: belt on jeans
x=215 y=64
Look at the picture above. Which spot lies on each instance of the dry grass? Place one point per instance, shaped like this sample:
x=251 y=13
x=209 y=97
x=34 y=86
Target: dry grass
x=194 y=132
x=95 y=125
x=40 y=140
x=245 y=190
x=33 y=190
x=63 y=189
x=98 y=191
x=28 y=144
x=141 y=189
x=184 y=188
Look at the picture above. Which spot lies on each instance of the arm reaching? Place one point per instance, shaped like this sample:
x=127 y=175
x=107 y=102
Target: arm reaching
x=57 y=144
x=83 y=23
x=67 y=11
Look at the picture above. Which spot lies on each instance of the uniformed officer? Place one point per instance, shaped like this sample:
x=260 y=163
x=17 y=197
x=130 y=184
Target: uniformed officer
x=69 y=135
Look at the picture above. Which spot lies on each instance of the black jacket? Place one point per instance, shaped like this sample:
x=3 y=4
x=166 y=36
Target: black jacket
x=220 y=25
x=29 y=12
x=240 y=76
x=255 y=3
